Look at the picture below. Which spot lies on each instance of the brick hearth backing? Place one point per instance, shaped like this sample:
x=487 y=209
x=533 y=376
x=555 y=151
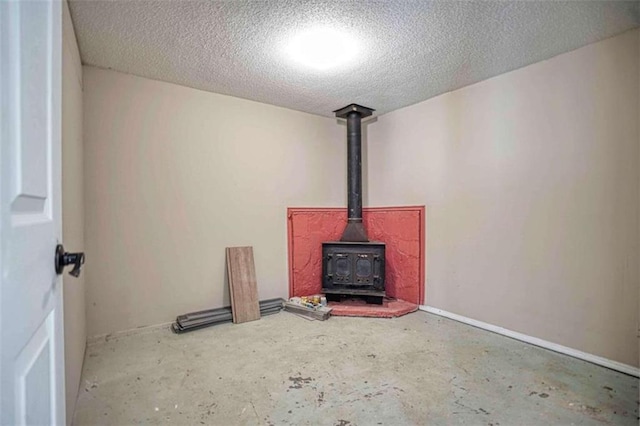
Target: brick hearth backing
x=401 y=228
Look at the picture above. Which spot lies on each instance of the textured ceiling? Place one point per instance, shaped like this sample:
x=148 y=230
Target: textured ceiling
x=410 y=50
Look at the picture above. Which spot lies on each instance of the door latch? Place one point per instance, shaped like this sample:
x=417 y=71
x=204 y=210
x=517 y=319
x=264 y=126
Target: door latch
x=63 y=258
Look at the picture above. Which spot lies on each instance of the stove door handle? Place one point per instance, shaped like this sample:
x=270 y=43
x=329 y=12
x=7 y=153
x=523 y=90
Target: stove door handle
x=376 y=268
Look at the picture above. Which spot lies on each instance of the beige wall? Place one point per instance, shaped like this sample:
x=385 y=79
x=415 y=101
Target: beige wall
x=72 y=209
x=532 y=190
x=173 y=176
x=530 y=179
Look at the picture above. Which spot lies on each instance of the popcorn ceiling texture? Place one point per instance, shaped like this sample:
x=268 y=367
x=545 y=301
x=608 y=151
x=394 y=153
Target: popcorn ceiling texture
x=411 y=51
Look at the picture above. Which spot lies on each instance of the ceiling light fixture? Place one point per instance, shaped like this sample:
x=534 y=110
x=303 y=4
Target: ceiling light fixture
x=322 y=48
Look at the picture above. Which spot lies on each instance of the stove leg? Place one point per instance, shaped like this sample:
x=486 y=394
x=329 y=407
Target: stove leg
x=333 y=297
x=374 y=300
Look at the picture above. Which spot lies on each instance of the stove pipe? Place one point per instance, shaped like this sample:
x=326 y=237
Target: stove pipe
x=354 y=114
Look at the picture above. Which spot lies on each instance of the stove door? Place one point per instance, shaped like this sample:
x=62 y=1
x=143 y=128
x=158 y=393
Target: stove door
x=342 y=264
x=357 y=269
x=363 y=269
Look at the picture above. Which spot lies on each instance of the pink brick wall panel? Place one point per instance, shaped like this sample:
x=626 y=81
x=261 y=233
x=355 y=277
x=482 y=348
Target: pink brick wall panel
x=401 y=228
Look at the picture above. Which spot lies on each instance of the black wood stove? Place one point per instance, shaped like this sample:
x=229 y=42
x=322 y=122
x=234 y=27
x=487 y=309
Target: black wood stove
x=354 y=266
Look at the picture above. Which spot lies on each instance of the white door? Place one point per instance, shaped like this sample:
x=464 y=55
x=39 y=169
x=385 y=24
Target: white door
x=31 y=331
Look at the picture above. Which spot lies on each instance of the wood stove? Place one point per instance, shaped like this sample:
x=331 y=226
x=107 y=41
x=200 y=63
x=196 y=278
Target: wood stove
x=354 y=266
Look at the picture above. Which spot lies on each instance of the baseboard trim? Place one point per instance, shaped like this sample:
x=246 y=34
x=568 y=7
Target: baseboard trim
x=92 y=340
x=605 y=362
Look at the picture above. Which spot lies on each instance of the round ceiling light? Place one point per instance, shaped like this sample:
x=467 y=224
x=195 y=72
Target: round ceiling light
x=322 y=48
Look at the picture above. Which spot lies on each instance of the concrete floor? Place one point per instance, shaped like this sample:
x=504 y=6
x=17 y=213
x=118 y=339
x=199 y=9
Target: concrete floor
x=282 y=369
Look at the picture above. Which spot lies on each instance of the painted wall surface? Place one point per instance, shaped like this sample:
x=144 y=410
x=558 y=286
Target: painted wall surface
x=75 y=336
x=531 y=182
x=174 y=175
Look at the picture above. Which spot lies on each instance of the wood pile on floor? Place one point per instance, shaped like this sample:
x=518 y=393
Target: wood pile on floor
x=319 y=314
x=243 y=293
x=201 y=319
x=309 y=307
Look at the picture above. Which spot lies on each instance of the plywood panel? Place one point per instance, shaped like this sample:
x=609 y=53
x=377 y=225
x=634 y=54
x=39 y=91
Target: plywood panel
x=242 y=284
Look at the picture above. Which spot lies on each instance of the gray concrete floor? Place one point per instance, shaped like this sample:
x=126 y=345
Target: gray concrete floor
x=282 y=369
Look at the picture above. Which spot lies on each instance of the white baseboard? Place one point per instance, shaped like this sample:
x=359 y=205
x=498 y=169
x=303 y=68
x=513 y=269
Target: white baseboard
x=614 y=365
x=92 y=340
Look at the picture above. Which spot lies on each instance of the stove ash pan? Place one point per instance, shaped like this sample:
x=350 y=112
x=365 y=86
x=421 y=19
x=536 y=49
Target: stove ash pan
x=353 y=268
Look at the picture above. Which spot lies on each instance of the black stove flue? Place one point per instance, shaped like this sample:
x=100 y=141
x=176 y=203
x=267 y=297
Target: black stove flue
x=354 y=266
